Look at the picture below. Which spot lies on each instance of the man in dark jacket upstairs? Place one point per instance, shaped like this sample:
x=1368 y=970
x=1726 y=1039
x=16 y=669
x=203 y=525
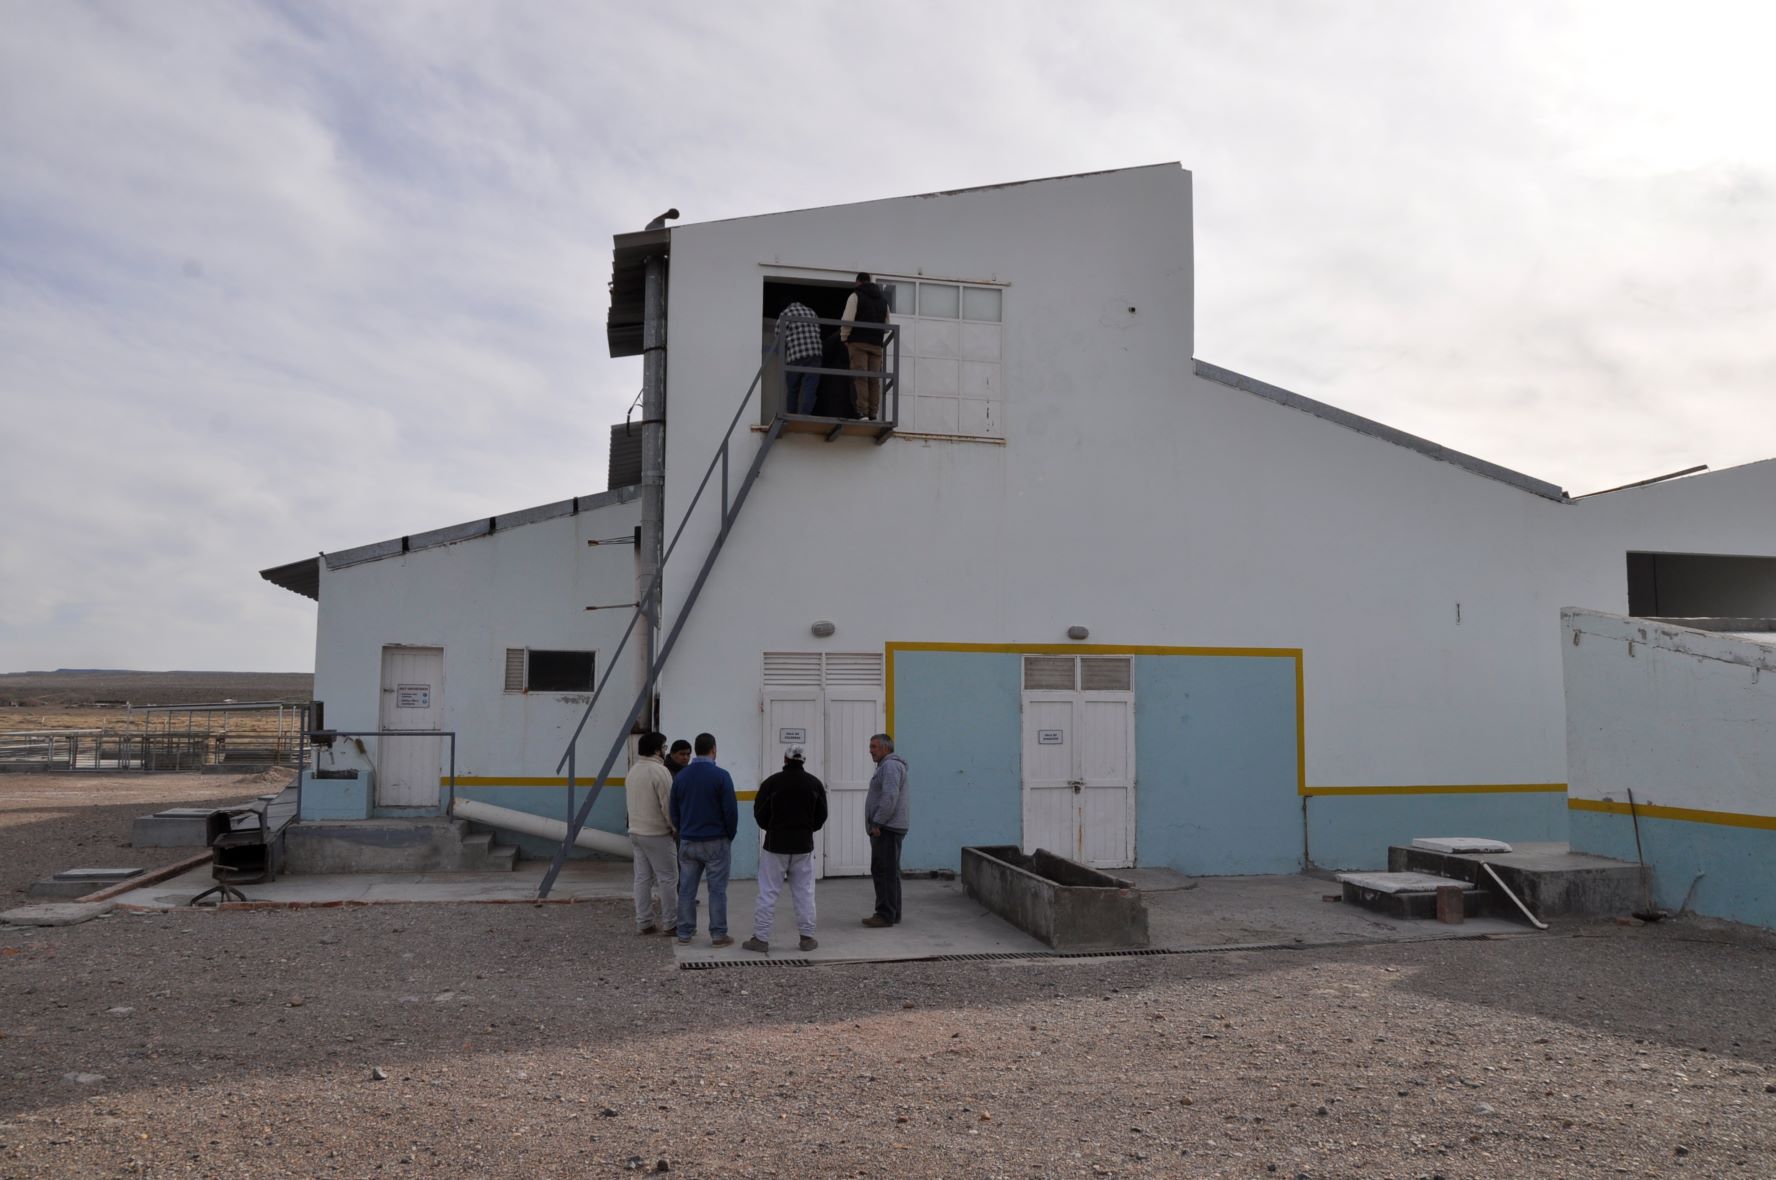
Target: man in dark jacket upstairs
x=790 y=808
x=866 y=311
x=706 y=815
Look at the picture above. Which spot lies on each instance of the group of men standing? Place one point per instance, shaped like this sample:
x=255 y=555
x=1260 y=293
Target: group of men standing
x=862 y=333
x=684 y=814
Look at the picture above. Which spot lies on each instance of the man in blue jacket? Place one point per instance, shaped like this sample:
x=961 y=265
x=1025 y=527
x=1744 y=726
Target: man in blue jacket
x=706 y=816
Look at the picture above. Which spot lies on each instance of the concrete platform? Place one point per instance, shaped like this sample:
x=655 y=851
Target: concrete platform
x=80 y=882
x=1184 y=914
x=1551 y=879
x=56 y=913
x=1407 y=895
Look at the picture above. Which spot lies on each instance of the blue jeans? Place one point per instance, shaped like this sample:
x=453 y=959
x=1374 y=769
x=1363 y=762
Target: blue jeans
x=800 y=389
x=694 y=856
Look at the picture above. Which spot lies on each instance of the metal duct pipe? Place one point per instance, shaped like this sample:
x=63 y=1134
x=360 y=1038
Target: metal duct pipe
x=595 y=839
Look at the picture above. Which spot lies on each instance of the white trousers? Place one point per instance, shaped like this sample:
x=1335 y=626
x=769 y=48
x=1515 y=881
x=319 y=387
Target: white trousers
x=773 y=867
x=656 y=872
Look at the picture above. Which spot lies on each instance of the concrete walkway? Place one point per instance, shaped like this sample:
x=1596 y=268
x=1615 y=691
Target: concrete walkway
x=1185 y=914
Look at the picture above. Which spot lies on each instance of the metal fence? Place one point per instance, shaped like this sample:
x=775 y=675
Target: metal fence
x=167 y=738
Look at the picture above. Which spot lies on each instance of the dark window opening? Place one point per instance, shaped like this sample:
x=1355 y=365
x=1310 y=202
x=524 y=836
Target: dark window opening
x=1701 y=585
x=834 y=397
x=559 y=671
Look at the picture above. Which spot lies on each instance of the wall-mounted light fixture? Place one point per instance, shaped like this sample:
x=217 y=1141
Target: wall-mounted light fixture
x=823 y=627
x=1078 y=633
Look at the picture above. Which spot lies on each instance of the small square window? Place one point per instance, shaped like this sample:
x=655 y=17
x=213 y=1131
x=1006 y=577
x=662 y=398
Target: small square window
x=559 y=671
x=938 y=300
x=900 y=297
x=981 y=303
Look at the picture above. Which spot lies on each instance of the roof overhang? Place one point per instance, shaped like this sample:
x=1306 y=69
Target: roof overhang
x=299 y=577
x=628 y=286
x=304 y=577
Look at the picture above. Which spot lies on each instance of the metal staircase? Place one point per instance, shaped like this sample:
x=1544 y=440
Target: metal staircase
x=731 y=503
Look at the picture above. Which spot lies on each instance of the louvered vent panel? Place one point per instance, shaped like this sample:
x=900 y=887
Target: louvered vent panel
x=861 y=669
x=1048 y=672
x=792 y=669
x=1104 y=674
x=514 y=669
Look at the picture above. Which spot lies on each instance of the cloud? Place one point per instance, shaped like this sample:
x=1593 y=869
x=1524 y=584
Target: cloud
x=283 y=277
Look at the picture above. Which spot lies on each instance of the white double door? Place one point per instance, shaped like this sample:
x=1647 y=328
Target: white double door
x=834 y=726
x=1079 y=785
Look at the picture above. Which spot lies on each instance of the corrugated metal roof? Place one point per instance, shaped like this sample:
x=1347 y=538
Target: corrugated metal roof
x=628 y=286
x=625 y=455
x=300 y=577
x=304 y=577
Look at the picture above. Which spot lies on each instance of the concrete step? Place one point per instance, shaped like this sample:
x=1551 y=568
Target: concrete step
x=481 y=853
x=384 y=845
x=1408 y=894
x=1549 y=877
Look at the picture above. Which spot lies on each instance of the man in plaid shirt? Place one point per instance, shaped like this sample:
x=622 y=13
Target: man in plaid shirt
x=798 y=332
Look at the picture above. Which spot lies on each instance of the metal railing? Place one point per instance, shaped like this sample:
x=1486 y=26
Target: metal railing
x=888 y=375
x=731 y=503
x=324 y=738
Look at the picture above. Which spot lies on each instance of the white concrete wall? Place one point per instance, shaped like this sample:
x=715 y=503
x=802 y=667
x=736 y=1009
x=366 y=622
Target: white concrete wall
x=526 y=586
x=1683 y=718
x=1132 y=497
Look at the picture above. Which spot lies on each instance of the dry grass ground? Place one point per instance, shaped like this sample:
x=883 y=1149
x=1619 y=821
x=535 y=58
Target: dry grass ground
x=551 y=1041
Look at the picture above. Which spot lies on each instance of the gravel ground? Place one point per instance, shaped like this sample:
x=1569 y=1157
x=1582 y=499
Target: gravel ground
x=550 y=1040
x=52 y=822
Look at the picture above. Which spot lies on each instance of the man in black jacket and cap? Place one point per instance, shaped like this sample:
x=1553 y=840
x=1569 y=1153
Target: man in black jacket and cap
x=790 y=808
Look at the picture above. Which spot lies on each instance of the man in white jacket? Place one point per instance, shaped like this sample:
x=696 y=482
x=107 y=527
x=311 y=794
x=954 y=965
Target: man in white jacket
x=648 y=788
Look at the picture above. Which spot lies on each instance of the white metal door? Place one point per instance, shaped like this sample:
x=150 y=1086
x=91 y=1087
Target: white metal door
x=835 y=700
x=1105 y=763
x=793 y=718
x=853 y=716
x=1051 y=813
x=1079 y=758
x=408 y=769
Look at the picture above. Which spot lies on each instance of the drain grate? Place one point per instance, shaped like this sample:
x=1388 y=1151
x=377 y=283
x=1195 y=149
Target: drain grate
x=1131 y=953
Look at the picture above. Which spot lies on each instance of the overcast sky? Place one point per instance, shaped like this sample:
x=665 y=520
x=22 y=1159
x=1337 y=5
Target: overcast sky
x=281 y=278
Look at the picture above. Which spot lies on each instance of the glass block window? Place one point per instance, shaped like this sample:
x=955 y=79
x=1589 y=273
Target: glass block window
x=951 y=357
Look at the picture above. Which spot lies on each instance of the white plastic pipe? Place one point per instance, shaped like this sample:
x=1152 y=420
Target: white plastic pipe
x=596 y=839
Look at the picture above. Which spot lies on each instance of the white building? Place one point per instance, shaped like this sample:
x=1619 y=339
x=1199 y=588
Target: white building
x=1309 y=635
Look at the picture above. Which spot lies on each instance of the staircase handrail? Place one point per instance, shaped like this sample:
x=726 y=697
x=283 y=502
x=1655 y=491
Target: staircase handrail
x=730 y=509
x=654 y=586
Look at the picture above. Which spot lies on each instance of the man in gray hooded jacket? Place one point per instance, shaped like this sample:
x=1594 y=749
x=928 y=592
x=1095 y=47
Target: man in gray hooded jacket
x=885 y=813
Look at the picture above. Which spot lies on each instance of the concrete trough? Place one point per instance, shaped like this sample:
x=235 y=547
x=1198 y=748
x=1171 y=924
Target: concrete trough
x=1061 y=902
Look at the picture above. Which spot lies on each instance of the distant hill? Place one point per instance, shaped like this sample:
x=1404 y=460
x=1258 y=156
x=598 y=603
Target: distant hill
x=86 y=686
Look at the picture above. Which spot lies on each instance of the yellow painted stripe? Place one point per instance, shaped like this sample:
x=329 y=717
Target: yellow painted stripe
x=505 y=780
x=890 y=650
x=1729 y=819
x=746 y=796
x=1445 y=789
